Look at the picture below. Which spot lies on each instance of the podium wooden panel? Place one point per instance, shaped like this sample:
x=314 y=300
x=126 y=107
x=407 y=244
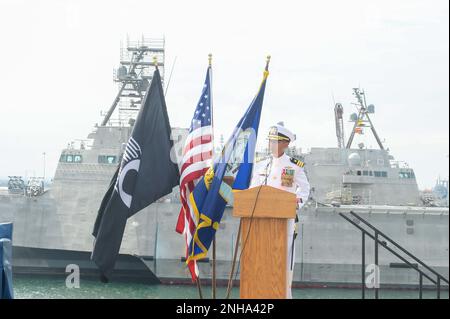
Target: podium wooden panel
x=264 y=233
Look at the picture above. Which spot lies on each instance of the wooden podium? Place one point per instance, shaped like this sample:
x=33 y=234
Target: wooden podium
x=264 y=257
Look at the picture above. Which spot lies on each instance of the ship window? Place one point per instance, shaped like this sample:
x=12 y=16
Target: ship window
x=370 y=173
x=358 y=173
x=365 y=173
x=380 y=162
x=380 y=173
x=70 y=158
x=107 y=159
x=406 y=175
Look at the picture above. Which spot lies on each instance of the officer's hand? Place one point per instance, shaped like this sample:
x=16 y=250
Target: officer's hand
x=229 y=180
x=299 y=201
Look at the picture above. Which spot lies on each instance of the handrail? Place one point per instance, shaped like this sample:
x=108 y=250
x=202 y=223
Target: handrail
x=375 y=237
x=389 y=249
x=399 y=247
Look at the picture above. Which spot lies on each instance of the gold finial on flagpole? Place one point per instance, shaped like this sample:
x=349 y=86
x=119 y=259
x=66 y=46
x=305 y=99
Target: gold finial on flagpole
x=155 y=61
x=209 y=59
x=266 y=70
x=267 y=62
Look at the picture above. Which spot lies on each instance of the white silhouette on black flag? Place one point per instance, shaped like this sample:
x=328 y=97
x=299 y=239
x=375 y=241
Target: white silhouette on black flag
x=146 y=173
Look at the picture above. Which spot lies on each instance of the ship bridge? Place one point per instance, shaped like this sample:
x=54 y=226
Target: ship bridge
x=360 y=176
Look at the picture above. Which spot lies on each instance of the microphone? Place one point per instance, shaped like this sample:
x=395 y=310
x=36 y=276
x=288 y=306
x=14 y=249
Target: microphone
x=266 y=171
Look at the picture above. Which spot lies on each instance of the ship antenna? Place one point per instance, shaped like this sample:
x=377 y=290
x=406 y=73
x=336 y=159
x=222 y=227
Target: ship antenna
x=363 y=115
x=170 y=76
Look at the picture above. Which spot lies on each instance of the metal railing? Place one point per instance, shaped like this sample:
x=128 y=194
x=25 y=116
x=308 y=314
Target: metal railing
x=377 y=236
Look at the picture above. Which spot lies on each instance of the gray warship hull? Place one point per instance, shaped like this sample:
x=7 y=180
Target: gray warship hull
x=328 y=249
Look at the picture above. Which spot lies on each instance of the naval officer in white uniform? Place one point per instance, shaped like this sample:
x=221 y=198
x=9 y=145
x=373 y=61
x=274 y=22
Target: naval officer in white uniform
x=286 y=173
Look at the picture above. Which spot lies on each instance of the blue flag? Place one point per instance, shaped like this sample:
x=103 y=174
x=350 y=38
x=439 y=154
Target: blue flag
x=233 y=167
x=6 y=288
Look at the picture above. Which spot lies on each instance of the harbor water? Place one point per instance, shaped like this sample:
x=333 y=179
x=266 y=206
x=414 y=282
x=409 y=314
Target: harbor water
x=43 y=287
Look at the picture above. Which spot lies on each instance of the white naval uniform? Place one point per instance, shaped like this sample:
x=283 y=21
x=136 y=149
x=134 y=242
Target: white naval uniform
x=283 y=173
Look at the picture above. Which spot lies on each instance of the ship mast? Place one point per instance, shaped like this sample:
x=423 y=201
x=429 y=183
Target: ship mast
x=134 y=76
x=363 y=119
x=338 y=117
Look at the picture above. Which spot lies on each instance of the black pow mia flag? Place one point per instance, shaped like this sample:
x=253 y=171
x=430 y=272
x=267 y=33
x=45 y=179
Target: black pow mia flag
x=146 y=173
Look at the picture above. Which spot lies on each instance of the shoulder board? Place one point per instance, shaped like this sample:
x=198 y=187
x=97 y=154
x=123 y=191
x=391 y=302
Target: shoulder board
x=297 y=162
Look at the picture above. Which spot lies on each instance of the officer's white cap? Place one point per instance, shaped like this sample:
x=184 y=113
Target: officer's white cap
x=280 y=133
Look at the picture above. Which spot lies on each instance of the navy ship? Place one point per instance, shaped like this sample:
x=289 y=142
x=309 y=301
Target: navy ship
x=52 y=227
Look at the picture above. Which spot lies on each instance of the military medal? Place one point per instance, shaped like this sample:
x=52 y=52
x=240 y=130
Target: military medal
x=287 y=177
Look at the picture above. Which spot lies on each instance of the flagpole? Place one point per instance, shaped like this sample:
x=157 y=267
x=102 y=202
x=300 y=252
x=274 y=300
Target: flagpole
x=199 y=287
x=214 y=269
x=236 y=247
x=210 y=88
x=213 y=284
x=267 y=62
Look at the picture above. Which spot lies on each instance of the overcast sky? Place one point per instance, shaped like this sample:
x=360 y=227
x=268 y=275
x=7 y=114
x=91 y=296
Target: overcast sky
x=57 y=59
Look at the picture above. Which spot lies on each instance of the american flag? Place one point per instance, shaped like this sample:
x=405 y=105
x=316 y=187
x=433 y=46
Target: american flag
x=197 y=158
